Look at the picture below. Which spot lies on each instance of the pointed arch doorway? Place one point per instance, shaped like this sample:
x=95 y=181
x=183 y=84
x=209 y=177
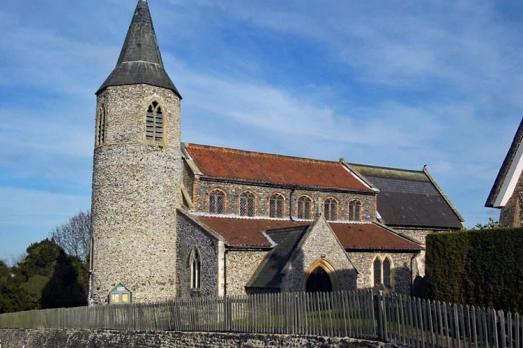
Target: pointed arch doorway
x=320 y=277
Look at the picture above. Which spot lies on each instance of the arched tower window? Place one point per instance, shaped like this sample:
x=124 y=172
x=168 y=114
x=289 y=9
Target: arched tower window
x=355 y=210
x=330 y=209
x=304 y=207
x=276 y=205
x=100 y=127
x=194 y=265
x=154 y=122
x=217 y=202
x=247 y=204
x=377 y=271
x=386 y=273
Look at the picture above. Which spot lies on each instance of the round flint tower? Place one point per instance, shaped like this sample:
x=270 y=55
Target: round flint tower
x=136 y=174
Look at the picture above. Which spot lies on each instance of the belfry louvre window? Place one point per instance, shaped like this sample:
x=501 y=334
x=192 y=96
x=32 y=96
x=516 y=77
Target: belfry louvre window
x=154 y=122
x=330 y=209
x=304 y=207
x=194 y=262
x=276 y=205
x=355 y=210
x=100 y=127
x=247 y=204
x=217 y=202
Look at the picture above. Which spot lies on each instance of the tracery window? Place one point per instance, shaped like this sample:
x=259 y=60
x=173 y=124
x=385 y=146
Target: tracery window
x=304 y=207
x=217 y=202
x=194 y=263
x=247 y=204
x=382 y=272
x=154 y=122
x=330 y=209
x=355 y=210
x=100 y=127
x=276 y=205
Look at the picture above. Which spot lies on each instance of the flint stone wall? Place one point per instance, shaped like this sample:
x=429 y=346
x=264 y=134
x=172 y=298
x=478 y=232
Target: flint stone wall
x=320 y=244
x=400 y=269
x=136 y=191
x=191 y=236
x=47 y=338
x=240 y=266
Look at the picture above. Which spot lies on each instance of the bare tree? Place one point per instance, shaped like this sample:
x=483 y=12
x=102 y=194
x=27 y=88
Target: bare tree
x=75 y=236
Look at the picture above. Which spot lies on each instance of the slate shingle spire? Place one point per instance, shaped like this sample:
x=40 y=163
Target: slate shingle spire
x=140 y=60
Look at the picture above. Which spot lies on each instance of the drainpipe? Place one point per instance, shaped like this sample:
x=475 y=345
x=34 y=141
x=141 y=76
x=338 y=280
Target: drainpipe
x=412 y=273
x=290 y=203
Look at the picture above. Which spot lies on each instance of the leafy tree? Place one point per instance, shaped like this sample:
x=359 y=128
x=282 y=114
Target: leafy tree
x=75 y=236
x=491 y=223
x=46 y=278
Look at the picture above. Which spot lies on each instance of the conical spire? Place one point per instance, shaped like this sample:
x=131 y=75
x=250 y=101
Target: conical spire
x=140 y=60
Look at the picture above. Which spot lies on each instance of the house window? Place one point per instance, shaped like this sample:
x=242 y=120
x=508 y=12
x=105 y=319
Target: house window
x=217 y=202
x=154 y=122
x=304 y=207
x=194 y=263
x=100 y=127
x=330 y=209
x=247 y=204
x=377 y=272
x=355 y=210
x=276 y=205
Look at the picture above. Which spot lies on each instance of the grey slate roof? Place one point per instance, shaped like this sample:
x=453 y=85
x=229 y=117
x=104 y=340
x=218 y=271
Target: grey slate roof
x=140 y=60
x=269 y=273
x=410 y=198
x=505 y=167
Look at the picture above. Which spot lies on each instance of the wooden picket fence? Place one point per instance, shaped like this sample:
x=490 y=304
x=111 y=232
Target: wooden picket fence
x=399 y=319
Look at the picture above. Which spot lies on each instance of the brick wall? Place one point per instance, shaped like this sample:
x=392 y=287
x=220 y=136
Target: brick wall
x=263 y=194
x=511 y=214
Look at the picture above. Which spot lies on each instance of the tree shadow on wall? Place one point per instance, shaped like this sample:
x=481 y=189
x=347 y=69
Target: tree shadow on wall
x=67 y=286
x=419 y=287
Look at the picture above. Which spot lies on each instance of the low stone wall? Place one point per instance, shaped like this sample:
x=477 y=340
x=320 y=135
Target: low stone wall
x=47 y=338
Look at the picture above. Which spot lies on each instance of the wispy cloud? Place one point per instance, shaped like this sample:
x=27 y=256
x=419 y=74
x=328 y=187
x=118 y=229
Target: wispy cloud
x=380 y=83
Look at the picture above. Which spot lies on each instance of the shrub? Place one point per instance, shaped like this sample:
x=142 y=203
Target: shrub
x=480 y=267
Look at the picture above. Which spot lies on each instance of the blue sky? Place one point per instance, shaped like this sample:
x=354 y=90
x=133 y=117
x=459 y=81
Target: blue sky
x=398 y=84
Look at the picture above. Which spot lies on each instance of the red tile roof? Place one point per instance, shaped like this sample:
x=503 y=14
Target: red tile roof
x=245 y=232
x=219 y=162
x=241 y=232
x=371 y=236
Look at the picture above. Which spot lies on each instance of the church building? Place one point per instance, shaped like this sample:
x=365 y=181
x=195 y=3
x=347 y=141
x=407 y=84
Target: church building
x=507 y=192
x=174 y=220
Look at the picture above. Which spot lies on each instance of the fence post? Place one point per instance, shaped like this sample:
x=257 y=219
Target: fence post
x=379 y=309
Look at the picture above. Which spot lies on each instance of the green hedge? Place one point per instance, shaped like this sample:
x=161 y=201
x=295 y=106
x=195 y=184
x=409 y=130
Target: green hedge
x=483 y=267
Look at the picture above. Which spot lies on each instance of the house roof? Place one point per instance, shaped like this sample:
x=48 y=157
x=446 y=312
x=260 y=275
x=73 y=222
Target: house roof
x=140 y=60
x=249 y=232
x=410 y=198
x=257 y=167
x=508 y=174
x=269 y=273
